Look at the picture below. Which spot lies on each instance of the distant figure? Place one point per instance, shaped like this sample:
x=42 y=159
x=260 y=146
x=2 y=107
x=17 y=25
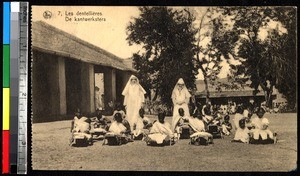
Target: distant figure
x=98 y=99
x=238 y=116
x=226 y=125
x=180 y=98
x=133 y=98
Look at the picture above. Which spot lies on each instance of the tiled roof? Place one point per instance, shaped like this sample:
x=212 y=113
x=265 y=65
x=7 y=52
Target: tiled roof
x=48 y=38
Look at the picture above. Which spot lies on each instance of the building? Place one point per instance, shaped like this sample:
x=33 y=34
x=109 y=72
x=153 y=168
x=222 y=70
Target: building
x=239 y=96
x=63 y=73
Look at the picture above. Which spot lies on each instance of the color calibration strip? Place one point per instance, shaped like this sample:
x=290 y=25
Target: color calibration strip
x=23 y=89
x=6 y=89
x=14 y=82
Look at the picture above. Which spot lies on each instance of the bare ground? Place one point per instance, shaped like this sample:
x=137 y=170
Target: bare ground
x=51 y=151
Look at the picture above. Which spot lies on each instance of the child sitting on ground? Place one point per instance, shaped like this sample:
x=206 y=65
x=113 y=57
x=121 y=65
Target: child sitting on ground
x=161 y=131
x=178 y=122
x=143 y=124
x=261 y=127
x=238 y=116
x=80 y=128
x=242 y=133
x=226 y=125
x=118 y=130
x=119 y=110
x=99 y=125
x=101 y=121
x=207 y=117
x=198 y=127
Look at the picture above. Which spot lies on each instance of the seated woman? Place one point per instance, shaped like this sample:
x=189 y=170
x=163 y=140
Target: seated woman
x=160 y=132
x=261 y=131
x=80 y=129
x=226 y=125
x=242 y=133
x=142 y=126
x=117 y=132
x=198 y=128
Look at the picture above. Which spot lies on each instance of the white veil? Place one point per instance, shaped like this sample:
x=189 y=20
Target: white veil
x=128 y=85
x=184 y=89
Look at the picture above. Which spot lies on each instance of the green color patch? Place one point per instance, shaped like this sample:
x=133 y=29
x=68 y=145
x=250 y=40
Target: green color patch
x=6 y=66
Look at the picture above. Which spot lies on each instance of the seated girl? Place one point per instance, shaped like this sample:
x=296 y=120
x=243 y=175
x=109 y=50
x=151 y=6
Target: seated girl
x=261 y=131
x=117 y=131
x=142 y=126
x=160 y=132
x=119 y=110
x=101 y=121
x=242 y=133
x=207 y=115
x=238 y=116
x=99 y=125
x=226 y=125
x=178 y=122
x=198 y=128
x=80 y=128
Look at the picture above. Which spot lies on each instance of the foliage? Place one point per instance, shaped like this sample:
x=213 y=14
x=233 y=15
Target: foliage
x=267 y=62
x=167 y=37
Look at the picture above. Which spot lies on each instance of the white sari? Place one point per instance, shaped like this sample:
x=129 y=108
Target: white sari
x=133 y=99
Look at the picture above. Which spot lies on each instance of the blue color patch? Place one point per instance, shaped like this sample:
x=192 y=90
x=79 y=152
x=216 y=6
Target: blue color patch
x=6 y=22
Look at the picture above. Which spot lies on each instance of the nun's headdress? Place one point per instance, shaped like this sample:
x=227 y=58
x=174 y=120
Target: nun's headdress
x=184 y=89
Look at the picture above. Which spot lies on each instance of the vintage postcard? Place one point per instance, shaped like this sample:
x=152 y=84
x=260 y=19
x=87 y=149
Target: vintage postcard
x=128 y=88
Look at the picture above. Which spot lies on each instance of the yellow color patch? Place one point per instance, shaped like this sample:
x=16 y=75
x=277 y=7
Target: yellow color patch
x=6 y=104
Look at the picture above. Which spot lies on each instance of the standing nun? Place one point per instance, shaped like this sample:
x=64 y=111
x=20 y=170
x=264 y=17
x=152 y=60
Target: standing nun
x=133 y=98
x=180 y=98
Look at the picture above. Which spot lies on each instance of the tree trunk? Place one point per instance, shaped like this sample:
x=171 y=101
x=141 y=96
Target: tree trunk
x=206 y=88
x=268 y=96
x=206 y=83
x=155 y=96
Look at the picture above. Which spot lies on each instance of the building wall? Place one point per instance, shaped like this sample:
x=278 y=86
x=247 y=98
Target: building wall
x=61 y=84
x=48 y=86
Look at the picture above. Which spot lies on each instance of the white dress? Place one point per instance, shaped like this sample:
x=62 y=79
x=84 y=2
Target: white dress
x=178 y=97
x=134 y=97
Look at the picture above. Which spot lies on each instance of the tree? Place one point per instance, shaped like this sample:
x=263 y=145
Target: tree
x=208 y=58
x=168 y=40
x=263 y=61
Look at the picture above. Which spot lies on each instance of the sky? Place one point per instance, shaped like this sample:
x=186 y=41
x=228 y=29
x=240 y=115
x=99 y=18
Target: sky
x=108 y=34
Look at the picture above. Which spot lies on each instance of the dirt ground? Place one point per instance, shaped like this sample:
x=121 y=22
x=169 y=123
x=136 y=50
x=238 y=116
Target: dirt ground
x=51 y=151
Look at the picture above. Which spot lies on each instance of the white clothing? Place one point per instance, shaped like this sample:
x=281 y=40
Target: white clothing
x=236 y=119
x=196 y=124
x=180 y=98
x=134 y=97
x=242 y=135
x=261 y=128
x=117 y=128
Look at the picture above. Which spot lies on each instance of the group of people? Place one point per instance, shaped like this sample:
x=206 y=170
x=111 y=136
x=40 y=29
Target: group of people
x=133 y=124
